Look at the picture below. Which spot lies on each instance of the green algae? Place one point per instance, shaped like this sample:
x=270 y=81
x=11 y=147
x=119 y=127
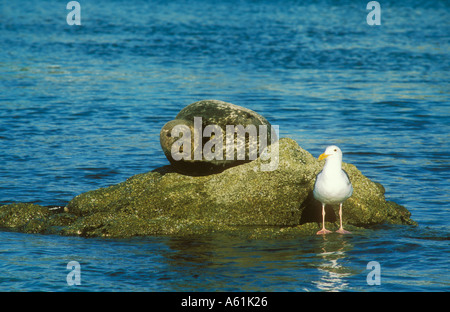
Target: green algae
x=241 y=200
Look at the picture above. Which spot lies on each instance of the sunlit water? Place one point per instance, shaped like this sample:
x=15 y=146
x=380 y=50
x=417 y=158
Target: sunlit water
x=82 y=107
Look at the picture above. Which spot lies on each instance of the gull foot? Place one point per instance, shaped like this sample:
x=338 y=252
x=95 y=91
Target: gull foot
x=342 y=231
x=323 y=231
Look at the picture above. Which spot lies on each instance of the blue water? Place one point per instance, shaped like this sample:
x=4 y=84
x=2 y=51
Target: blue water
x=81 y=107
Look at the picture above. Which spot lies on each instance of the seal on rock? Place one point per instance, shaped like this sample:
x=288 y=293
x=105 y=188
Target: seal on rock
x=210 y=136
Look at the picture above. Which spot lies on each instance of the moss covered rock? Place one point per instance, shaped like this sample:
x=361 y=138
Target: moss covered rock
x=27 y=218
x=241 y=200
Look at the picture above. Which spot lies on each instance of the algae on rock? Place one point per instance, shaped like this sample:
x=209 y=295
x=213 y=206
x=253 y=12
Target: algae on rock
x=240 y=200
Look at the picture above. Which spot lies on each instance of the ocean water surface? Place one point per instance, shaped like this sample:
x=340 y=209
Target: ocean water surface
x=81 y=108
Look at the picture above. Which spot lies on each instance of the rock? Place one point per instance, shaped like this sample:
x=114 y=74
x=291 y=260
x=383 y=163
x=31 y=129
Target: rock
x=212 y=113
x=241 y=200
x=27 y=218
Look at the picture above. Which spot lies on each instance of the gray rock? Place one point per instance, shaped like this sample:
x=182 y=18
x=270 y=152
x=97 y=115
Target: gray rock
x=220 y=114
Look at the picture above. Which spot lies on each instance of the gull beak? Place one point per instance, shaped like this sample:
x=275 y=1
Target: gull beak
x=323 y=156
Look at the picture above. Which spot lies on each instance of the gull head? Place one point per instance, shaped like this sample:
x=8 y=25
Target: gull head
x=331 y=152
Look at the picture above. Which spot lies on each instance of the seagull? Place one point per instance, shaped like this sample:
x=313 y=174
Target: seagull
x=332 y=185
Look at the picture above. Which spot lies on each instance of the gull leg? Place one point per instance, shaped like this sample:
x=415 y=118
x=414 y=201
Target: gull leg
x=341 y=229
x=323 y=230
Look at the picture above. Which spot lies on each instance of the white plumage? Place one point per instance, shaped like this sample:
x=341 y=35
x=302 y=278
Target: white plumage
x=332 y=185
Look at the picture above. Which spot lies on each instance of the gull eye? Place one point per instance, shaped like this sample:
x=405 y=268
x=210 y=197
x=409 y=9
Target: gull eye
x=335 y=150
